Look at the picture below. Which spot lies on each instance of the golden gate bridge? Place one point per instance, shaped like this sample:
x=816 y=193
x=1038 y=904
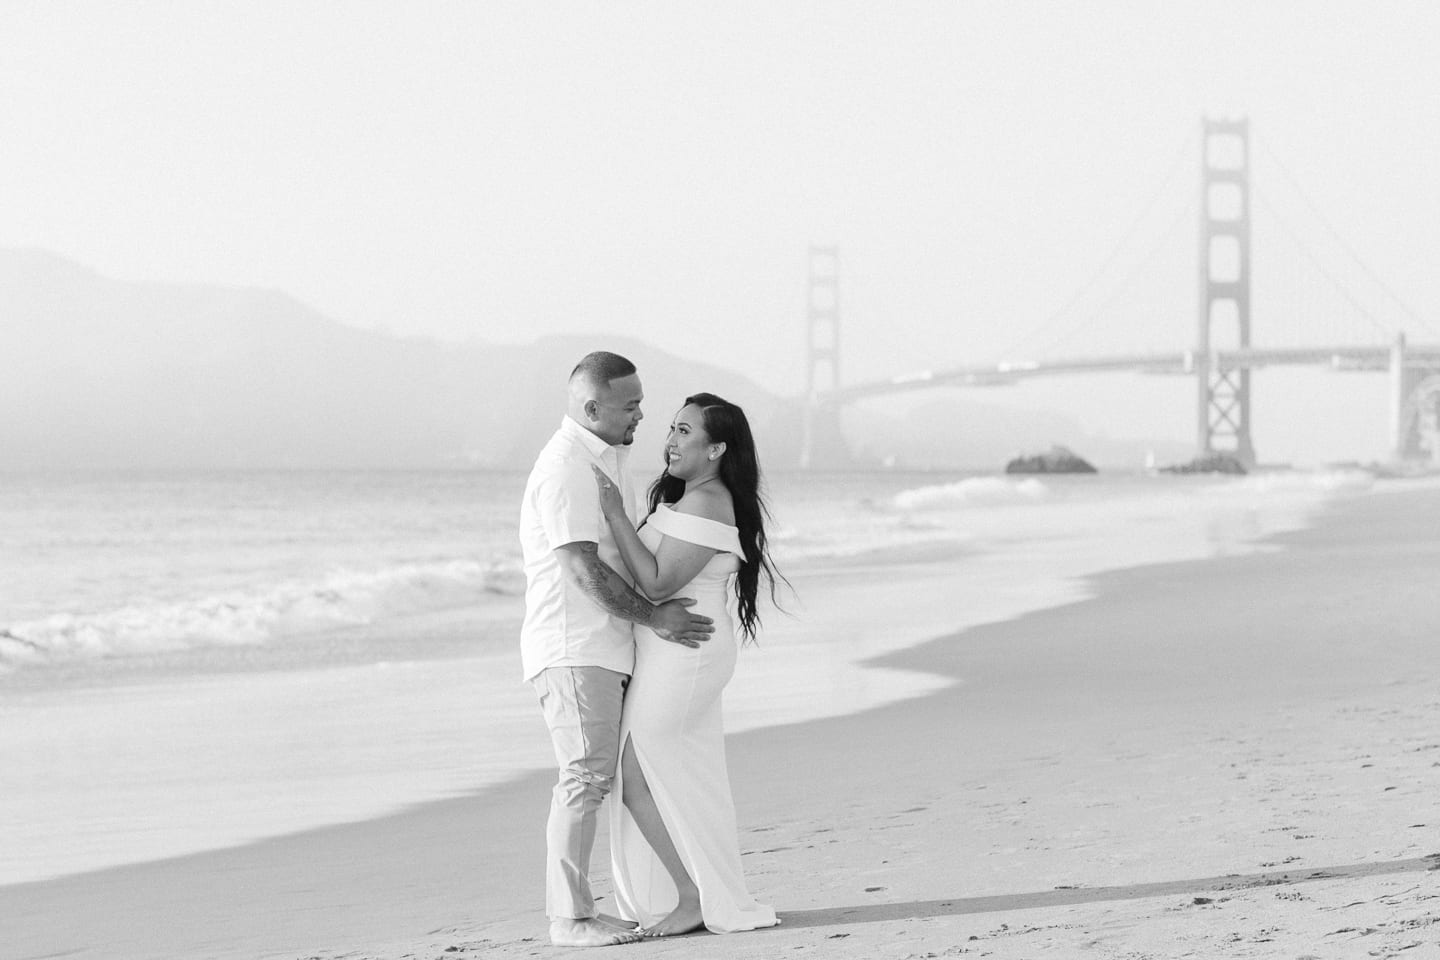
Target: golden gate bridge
x=1221 y=358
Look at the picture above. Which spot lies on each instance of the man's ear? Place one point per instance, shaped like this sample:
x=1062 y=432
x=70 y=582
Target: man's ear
x=592 y=410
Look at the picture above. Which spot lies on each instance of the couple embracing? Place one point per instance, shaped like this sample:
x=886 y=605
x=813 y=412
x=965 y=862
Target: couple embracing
x=629 y=640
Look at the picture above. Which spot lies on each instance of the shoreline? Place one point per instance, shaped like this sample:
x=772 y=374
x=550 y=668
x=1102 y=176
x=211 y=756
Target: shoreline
x=1026 y=736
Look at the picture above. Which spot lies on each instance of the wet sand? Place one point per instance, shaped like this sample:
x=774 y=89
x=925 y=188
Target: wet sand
x=1230 y=757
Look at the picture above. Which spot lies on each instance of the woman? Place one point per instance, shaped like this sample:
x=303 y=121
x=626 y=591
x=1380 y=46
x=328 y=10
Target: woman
x=674 y=846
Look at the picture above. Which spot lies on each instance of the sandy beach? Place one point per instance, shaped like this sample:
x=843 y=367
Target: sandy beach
x=1233 y=757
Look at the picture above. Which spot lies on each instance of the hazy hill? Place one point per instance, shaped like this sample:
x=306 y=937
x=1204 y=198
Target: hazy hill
x=948 y=430
x=104 y=374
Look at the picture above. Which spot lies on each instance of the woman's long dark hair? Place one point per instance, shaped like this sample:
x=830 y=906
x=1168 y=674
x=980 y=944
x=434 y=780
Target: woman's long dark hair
x=724 y=422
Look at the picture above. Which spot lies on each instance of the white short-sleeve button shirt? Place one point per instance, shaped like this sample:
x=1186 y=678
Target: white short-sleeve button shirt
x=563 y=626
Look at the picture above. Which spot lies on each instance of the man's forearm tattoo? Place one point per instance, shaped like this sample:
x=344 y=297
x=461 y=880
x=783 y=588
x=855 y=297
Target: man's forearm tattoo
x=606 y=587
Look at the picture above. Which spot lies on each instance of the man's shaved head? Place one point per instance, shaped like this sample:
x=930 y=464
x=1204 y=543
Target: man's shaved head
x=596 y=370
x=605 y=396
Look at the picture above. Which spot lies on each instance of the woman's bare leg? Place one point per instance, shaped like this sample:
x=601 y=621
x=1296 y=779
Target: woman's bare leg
x=641 y=803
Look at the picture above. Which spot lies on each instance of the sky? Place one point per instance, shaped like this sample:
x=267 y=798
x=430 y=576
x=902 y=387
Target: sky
x=1003 y=180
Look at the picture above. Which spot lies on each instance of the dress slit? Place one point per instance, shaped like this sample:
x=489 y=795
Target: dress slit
x=651 y=885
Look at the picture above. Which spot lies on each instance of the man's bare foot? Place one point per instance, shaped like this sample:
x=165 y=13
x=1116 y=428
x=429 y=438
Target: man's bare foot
x=686 y=918
x=589 y=932
x=616 y=922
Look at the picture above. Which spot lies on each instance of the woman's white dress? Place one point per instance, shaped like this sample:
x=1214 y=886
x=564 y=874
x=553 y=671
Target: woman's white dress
x=672 y=717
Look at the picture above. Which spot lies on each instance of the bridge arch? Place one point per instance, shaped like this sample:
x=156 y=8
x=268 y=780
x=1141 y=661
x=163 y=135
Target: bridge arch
x=1419 y=427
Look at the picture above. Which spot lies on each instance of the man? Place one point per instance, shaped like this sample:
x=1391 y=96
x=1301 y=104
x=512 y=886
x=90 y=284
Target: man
x=577 y=645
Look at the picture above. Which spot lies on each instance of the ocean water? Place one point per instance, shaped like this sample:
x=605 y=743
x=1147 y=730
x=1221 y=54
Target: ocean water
x=190 y=661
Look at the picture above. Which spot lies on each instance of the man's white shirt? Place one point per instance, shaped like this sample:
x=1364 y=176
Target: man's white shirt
x=564 y=626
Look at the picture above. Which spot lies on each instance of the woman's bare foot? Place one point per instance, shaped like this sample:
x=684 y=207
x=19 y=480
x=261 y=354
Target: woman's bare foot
x=685 y=918
x=588 y=933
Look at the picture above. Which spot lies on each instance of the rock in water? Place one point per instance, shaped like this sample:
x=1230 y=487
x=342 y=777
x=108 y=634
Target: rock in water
x=1208 y=463
x=1055 y=460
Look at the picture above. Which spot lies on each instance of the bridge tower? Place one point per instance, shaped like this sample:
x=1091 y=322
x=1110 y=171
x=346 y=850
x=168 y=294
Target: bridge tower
x=1224 y=408
x=821 y=424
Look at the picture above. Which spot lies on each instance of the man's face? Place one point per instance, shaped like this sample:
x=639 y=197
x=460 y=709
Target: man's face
x=617 y=411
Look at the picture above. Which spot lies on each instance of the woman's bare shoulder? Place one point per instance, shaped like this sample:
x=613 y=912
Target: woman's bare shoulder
x=711 y=501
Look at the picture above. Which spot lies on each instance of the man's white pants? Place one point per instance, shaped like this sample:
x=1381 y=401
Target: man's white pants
x=582 y=709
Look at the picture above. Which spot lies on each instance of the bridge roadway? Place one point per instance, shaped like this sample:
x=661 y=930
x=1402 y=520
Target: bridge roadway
x=1416 y=357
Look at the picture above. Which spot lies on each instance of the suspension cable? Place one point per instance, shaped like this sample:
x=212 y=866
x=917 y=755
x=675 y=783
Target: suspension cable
x=1335 y=234
x=1139 y=267
x=1378 y=324
x=1186 y=147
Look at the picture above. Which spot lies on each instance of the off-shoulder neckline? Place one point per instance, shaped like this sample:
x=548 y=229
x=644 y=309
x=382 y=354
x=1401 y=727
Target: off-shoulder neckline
x=694 y=516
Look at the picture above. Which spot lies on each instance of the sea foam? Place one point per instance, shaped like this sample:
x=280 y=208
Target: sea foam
x=344 y=597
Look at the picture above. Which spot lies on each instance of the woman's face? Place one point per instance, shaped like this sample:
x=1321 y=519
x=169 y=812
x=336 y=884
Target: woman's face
x=688 y=447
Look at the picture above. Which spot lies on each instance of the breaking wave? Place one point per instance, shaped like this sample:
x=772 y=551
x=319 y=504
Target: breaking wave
x=971 y=492
x=252 y=618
